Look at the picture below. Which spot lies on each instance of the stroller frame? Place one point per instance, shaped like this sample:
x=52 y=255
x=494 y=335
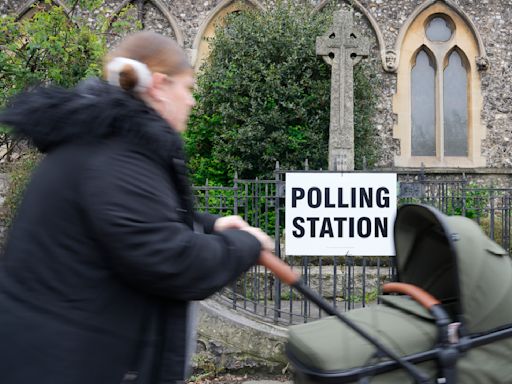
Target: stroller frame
x=446 y=353
x=453 y=340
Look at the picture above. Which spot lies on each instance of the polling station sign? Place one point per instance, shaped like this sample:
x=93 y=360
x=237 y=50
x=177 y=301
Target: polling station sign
x=340 y=213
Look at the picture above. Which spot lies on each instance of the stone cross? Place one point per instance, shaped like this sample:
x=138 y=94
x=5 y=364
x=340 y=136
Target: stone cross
x=342 y=48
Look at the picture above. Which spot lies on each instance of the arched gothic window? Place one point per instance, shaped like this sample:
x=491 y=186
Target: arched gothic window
x=144 y=14
x=423 y=106
x=438 y=98
x=455 y=105
x=200 y=47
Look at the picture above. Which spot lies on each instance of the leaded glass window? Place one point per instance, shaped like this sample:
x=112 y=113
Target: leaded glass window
x=423 y=106
x=455 y=107
x=439 y=29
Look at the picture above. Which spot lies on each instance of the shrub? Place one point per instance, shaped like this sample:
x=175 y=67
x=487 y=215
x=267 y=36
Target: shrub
x=264 y=96
x=472 y=203
x=19 y=174
x=50 y=47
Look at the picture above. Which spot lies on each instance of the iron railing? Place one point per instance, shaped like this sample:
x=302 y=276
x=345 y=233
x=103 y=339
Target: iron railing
x=347 y=281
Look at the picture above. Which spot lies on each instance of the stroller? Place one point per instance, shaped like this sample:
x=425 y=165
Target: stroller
x=453 y=325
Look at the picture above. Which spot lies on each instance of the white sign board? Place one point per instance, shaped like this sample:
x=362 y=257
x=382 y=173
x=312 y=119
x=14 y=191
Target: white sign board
x=340 y=214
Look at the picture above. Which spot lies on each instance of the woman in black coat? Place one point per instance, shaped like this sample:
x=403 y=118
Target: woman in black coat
x=106 y=251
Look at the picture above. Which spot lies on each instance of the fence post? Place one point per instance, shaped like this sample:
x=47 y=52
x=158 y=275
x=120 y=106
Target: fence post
x=422 y=179
x=277 y=242
x=235 y=212
x=506 y=222
x=492 y=209
x=255 y=203
x=207 y=197
x=235 y=194
x=464 y=190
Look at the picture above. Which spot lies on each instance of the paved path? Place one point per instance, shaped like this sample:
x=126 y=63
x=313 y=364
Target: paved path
x=266 y=382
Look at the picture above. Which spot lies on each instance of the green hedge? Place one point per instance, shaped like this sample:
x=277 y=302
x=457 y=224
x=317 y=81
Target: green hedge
x=264 y=96
x=50 y=47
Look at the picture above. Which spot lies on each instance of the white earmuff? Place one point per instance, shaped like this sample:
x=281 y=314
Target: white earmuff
x=144 y=78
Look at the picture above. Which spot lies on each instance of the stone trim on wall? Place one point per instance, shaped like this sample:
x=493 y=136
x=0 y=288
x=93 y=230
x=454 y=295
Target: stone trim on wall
x=178 y=34
x=482 y=56
x=25 y=8
x=200 y=46
x=233 y=341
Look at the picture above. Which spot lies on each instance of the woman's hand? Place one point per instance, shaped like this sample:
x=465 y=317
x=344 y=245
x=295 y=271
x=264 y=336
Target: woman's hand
x=267 y=244
x=229 y=222
x=236 y=222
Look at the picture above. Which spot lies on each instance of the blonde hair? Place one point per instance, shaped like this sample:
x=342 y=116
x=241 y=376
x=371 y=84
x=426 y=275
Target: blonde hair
x=140 y=54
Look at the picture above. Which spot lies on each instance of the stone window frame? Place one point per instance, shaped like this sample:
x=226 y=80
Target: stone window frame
x=467 y=45
x=27 y=10
x=158 y=4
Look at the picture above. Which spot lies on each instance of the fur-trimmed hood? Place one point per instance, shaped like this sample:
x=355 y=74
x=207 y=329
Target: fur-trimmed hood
x=51 y=117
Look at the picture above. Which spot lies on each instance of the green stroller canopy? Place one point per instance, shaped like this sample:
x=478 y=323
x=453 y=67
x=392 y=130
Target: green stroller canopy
x=451 y=258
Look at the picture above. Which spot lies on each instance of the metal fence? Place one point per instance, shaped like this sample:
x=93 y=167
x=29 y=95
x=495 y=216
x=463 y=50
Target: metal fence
x=347 y=281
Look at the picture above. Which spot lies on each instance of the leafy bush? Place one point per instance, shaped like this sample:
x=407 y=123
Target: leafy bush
x=50 y=47
x=253 y=205
x=264 y=96
x=472 y=203
x=19 y=174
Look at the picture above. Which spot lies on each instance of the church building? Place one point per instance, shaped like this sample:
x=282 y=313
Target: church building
x=445 y=68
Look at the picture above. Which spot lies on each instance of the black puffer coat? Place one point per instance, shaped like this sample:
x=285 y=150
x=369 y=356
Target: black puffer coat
x=102 y=258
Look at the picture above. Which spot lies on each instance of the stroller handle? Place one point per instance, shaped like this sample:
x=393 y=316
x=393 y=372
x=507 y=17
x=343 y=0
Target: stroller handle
x=282 y=270
x=421 y=296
